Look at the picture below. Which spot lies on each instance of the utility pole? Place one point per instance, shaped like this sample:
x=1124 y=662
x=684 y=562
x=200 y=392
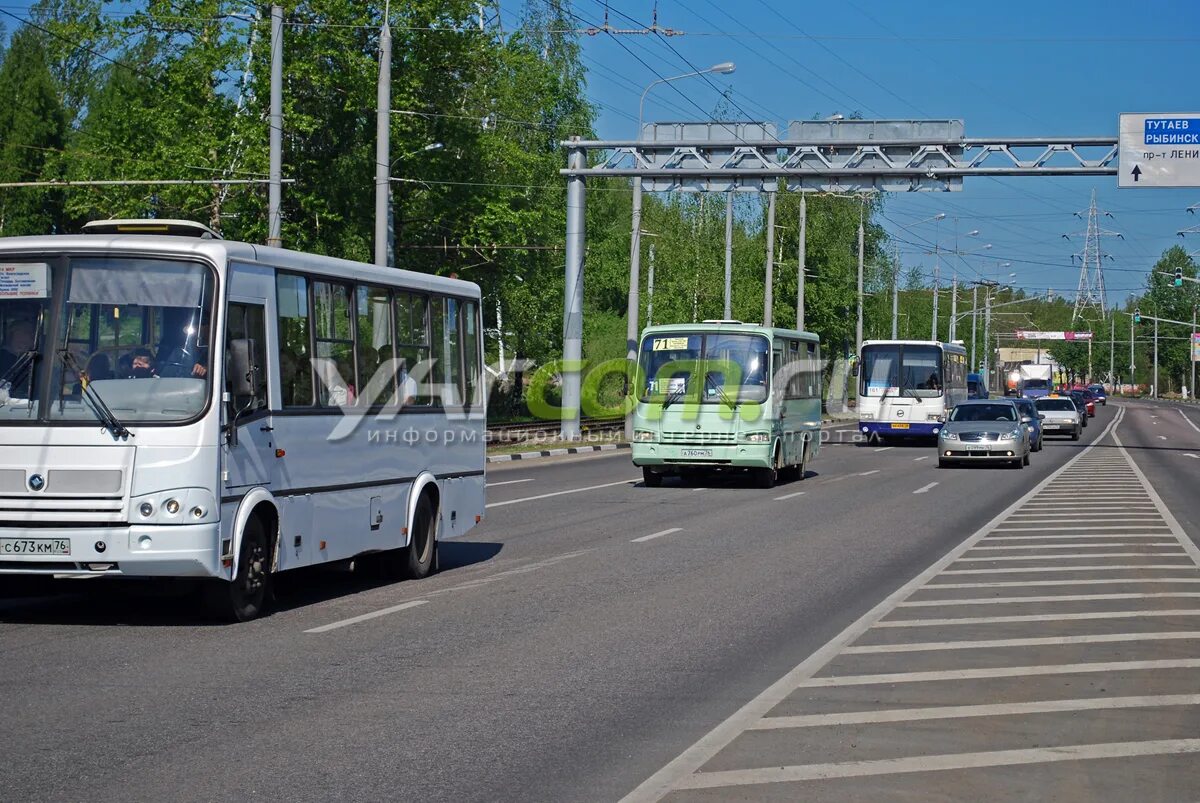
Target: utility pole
x=383 y=134
x=573 y=294
x=275 y=190
x=633 y=304
x=937 y=268
x=801 y=255
x=1190 y=349
x=895 y=291
x=1155 y=394
x=1112 y=347
x=858 y=328
x=650 y=289
x=953 y=308
x=974 y=310
x=729 y=256
x=987 y=322
x=768 y=285
x=1131 y=365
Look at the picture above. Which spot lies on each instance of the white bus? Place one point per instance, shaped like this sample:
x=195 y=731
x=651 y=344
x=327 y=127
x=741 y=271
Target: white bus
x=185 y=406
x=907 y=387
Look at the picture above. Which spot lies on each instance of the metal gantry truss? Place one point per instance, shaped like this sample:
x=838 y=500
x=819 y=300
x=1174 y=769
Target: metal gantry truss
x=811 y=155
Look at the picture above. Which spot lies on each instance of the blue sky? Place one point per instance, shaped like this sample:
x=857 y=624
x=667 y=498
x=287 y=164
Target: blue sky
x=1013 y=69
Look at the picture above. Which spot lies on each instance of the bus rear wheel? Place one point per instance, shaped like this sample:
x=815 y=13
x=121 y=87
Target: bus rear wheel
x=245 y=597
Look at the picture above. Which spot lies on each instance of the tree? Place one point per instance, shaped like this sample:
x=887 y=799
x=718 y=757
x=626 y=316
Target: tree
x=33 y=128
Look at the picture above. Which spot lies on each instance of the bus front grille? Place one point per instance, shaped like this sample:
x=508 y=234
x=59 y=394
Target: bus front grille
x=66 y=511
x=699 y=437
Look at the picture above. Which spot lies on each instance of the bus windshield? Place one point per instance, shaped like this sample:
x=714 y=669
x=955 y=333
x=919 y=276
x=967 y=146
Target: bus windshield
x=710 y=368
x=131 y=332
x=901 y=370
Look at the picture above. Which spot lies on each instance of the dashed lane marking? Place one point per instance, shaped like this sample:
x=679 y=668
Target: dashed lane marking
x=562 y=493
x=652 y=536
x=508 y=482
x=1189 y=421
x=789 y=496
x=353 y=620
x=926 y=488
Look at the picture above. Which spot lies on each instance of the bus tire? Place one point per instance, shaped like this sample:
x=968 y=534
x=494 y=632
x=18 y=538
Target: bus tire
x=768 y=477
x=247 y=596
x=651 y=479
x=418 y=555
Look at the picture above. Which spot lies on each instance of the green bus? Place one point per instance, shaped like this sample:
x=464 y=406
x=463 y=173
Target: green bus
x=726 y=396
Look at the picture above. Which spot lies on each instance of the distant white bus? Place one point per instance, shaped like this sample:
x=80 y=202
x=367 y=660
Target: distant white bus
x=185 y=406
x=906 y=387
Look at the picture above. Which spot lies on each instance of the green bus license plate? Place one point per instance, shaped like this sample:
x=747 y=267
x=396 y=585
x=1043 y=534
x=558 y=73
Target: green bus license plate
x=35 y=546
x=695 y=453
x=900 y=426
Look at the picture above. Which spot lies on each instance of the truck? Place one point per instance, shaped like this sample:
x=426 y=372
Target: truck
x=1036 y=380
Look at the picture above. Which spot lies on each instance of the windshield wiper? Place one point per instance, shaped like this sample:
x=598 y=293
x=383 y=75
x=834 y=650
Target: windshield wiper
x=107 y=417
x=725 y=399
x=674 y=396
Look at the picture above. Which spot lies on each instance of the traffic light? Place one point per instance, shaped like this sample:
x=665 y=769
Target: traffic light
x=1179 y=277
x=1137 y=316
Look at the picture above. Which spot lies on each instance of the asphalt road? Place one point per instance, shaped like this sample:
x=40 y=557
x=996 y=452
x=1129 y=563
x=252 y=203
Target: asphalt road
x=588 y=635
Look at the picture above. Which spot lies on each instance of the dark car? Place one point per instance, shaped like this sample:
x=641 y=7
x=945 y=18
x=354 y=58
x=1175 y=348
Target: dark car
x=1100 y=393
x=1032 y=419
x=1089 y=399
x=1080 y=402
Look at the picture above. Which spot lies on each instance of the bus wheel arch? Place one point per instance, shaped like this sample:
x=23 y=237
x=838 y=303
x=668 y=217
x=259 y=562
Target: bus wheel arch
x=425 y=500
x=247 y=594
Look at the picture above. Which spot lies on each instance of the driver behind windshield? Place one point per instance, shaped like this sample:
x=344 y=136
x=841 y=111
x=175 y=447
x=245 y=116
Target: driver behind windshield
x=18 y=340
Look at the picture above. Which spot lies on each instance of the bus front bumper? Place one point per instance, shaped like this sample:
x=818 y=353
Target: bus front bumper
x=681 y=456
x=188 y=550
x=900 y=429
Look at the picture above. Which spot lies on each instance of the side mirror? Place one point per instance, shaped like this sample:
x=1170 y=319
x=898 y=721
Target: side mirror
x=1026 y=419
x=1041 y=416
x=243 y=371
x=854 y=370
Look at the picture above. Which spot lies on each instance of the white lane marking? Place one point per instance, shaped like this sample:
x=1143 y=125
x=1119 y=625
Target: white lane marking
x=988 y=673
x=1066 y=569
x=353 y=620
x=1081 y=527
x=491 y=578
x=919 y=459
x=1193 y=456
x=1111 y=581
x=562 y=493
x=1058 y=536
x=652 y=536
x=1038 y=517
x=925 y=488
x=952 y=761
x=982 y=710
x=1191 y=423
x=508 y=482
x=884 y=448
x=689 y=761
x=1076 y=556
x=937 y=603
x=868 y=473
x=1162 y=437
x=1040 y=641
x=1098 y=545
x=1034 y=617
x=789 y=496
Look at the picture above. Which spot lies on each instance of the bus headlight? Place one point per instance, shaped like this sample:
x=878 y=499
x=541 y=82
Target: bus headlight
x=167 y=507
x=643 y=436
x=146 y=509
x=866 y=416
x=756 y=437
x=172 y=506
x=935 y=417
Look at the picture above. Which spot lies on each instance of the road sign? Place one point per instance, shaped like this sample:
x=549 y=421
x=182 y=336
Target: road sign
x=1159 y=150
x=1195 y=346
x=1025 y=334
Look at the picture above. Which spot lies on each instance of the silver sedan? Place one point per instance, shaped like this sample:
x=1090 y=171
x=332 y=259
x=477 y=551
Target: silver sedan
x=984 y=431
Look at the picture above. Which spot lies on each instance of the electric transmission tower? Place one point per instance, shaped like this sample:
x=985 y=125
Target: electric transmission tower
x=1091 y=271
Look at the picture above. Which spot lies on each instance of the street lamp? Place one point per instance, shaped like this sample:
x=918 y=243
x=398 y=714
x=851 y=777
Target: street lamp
x=724 y=68
x=391 y=215
x=632 y=308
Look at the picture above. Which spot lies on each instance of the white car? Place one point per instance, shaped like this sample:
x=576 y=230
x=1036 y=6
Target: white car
x=1060 y=416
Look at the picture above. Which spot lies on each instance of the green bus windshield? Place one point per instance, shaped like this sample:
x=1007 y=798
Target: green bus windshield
x=709 y=368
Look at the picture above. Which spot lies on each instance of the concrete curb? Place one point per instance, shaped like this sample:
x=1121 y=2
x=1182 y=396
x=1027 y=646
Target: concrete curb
x=607 y=447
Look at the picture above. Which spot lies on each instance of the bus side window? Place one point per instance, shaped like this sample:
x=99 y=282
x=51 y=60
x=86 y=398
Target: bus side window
x=295 y=366
x=470 y=325
x=334 y=338
x=246 y=322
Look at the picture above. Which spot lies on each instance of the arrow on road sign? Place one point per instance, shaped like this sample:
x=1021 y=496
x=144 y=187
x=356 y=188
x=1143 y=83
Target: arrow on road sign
x=1137 y=171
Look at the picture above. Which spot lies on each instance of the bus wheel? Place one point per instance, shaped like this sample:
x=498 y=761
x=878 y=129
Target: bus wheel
x=651 y=479
x=418 y=557
x=247 y=596
x=767 y=477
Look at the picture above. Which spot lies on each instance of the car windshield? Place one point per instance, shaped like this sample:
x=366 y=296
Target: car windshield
x=901 y=370
x=984 y=412
x=1055 y=404
x=132 y=332
x=706 y=367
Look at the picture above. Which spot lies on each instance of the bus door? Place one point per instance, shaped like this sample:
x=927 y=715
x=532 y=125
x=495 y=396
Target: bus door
x=249 y=442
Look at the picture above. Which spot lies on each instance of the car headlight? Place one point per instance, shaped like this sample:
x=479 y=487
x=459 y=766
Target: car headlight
x=950 y=436
x=756 y=437
x=1015 y=434
x=643 y=435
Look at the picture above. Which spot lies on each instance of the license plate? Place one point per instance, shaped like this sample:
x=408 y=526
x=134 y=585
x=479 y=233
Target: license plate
x=977 y=452
x=1050 y=426
x=35 y=546
x=900 y=426
x=695 y=452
